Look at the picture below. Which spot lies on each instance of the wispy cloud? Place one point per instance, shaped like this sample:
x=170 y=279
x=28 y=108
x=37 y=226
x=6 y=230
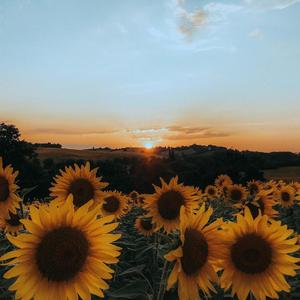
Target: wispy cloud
x=176 y=133
x=221 y=12
x=187 y=130
x=204 y=135
x=188 y=22
x=155 y=135
x=193 y=133
x=147 y=131
x=271 y=4
x=256 y=34
x=214 y=14
x=59 y=131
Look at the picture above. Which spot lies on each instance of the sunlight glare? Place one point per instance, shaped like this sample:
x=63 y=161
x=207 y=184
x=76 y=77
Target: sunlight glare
x=148 y=145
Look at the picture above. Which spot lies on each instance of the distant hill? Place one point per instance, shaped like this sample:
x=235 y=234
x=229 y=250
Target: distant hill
x=261 y=160
x=47 y=145
x=130 y=169
x=64 y=154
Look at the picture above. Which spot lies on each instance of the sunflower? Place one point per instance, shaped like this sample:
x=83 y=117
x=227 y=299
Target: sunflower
x=12 y=224
x=270 y=185
x=65 y=253
x=211 y=192
x=236 y=193
x=164 y=205
x=114 y=203
x=134 y=197
x=254 y=186
x=223 y=191
x=141 y=200
x=295 y=185
x=257 y=257
x=286 y=196
x=9 y=200
x=198 y=255
x=81 y=182
x=223 y=180
x=264 y=203
x=280 y=184
x=144 y=226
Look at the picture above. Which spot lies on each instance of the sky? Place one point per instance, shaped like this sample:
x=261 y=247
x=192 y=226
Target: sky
x=165 y=72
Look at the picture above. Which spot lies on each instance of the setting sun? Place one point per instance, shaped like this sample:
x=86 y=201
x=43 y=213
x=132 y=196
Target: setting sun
x=148 y=145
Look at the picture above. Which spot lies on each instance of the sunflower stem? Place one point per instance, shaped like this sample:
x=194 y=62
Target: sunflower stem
x=157 y=245
x=22 y=210
x=155 y=249
x=162 y=284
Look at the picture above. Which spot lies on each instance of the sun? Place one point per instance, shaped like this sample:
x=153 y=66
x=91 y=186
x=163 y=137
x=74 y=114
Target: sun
x=148 y=145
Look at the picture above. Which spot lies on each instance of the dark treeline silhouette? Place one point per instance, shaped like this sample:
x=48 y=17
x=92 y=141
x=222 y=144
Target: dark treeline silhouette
x=20 y=154
x=47 y=145
x=195 y=165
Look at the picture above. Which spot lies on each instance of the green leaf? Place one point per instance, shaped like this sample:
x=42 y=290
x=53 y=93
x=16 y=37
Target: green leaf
x=131 y=290
x=136 y=269
x=26 y=191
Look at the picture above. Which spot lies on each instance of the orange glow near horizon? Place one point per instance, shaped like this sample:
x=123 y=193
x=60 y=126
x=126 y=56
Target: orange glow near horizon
x=83 y=135
x=255 y=141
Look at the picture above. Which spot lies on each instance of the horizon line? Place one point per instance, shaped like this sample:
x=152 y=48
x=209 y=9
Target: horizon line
x=88 y=147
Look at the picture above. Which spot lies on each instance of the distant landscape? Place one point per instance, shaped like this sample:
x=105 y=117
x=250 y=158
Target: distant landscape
x=276 y=165
x=135 y=168
x=289 y=173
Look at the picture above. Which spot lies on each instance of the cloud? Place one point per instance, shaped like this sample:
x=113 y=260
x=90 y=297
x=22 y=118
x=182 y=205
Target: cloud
x=59 y=131
x=271 y=4
x=216 y=13
x=189 y=22
x=221 y=12
x=257 y=34
x=197 y=136
x=192 y=133
x=187 y=130
x=176 y=133
x=155 y=135
x=147 y=131
x=144 y=135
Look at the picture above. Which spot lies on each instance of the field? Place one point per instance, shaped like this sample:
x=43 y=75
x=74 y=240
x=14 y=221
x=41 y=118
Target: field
x=176 y=243
x=286 y=173
x=72 y=154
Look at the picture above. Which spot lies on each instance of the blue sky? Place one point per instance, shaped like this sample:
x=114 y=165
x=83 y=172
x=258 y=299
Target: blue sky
x=120 y=73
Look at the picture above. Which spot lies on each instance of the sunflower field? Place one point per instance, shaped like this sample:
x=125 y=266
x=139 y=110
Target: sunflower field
x=85 y=241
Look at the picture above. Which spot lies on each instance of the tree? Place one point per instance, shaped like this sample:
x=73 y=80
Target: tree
x=21 y=155
x=12 y=149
